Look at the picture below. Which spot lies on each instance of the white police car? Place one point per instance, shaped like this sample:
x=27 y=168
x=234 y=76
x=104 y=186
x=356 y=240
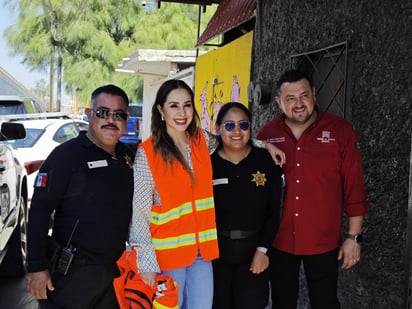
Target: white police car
x=13 y=204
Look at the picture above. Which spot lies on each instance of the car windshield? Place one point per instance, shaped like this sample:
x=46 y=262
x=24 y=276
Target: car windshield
x=32 y=136
x=11 y=109
x=135 y=111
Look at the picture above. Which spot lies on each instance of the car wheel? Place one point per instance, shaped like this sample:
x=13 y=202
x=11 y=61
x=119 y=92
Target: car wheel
x=14 y=263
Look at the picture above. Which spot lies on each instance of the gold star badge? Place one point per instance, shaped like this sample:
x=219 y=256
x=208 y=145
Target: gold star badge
x=259 y=178
x=128 y=160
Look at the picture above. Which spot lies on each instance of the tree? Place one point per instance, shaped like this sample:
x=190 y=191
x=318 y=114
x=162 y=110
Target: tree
x=96 y=32
x=88 y=38
x=98 y=42
x=41 y=89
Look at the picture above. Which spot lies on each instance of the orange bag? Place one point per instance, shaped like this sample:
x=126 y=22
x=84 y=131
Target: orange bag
x=133 y=293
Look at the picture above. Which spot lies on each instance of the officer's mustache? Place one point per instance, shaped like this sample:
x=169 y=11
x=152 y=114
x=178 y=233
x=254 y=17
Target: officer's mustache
x=110 y=125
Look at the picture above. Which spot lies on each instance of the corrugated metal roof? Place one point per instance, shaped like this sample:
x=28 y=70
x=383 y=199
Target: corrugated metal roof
x=229 y=14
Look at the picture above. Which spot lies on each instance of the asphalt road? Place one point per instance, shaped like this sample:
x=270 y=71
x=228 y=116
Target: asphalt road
x=13 y=295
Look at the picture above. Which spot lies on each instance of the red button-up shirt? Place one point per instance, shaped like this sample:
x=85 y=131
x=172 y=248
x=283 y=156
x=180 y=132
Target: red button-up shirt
x=324 y=177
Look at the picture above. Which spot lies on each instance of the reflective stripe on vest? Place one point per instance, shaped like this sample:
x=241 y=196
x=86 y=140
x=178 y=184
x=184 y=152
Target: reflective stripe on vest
x=183 y=240
x=174 y=242
x=184 y=209
x=173 y=214
x=207 y=235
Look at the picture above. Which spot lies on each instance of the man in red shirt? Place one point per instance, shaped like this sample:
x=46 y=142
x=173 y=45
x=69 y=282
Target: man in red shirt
x=324 y=178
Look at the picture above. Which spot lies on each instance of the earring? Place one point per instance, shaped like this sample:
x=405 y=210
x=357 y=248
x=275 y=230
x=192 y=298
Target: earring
x=163 y=118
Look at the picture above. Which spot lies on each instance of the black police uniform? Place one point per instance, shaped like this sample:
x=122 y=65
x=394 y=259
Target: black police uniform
x=82 y=183
x=247 y=202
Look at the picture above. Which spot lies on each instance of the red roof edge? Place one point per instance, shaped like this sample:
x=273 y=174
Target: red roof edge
x=228 y=15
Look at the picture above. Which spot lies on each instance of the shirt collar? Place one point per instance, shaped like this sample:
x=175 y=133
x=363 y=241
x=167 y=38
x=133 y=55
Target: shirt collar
x=85 y=141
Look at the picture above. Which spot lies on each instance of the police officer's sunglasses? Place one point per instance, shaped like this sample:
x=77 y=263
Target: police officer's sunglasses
x=104 y=113
x=231 y=125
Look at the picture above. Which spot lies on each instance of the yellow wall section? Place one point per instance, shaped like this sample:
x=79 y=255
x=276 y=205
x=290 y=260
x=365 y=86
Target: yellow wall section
x=221 y=76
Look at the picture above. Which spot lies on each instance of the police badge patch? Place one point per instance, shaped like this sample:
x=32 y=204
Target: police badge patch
x=259 y=178
x=128 y=161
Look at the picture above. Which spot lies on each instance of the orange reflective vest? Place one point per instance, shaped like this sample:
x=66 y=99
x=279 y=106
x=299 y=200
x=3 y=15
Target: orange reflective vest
x=185 y=221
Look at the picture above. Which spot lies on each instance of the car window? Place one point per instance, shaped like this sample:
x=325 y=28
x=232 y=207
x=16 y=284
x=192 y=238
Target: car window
x=66 y=132
x=32 y=136
x=83 y=126
x=32 y=107
x=12 y=108
x=135 y=111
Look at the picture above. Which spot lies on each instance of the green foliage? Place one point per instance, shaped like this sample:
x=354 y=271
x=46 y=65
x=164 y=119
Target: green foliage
x=92 y=37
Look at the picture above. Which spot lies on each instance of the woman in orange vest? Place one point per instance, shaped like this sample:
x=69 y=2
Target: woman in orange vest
x=173 y=225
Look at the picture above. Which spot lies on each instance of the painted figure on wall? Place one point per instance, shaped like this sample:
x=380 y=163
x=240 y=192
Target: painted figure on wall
x=205 y=117
x=209 y=111
x=235 y=92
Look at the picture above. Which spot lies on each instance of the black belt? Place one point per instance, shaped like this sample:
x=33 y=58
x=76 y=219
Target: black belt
x=237 y=234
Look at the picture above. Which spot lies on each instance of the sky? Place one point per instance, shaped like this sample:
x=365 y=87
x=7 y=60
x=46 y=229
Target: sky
x=12 y=64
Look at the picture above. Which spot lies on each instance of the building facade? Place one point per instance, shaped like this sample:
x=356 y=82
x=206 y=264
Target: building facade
x=365 y=47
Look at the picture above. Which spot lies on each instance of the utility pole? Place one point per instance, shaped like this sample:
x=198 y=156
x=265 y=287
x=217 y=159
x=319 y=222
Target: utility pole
x=59 y=82
x=51 y=79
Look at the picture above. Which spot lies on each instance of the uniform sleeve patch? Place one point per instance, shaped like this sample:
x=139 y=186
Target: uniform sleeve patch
x=41 y=180
x=357 y=146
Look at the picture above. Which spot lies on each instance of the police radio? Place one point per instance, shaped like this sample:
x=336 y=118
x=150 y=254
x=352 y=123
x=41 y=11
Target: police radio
x=66 y=255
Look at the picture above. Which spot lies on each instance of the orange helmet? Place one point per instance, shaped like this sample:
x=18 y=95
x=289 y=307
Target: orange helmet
x=166 y=293
x=133 y=293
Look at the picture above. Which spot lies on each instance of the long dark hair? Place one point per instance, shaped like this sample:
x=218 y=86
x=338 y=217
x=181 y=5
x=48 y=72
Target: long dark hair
x=162 y=141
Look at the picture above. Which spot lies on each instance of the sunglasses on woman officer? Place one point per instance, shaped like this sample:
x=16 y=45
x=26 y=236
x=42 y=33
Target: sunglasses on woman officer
x=231 y=125
x=104 y=113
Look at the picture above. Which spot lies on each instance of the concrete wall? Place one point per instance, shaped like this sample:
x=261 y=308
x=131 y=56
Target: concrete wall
x=379 y=34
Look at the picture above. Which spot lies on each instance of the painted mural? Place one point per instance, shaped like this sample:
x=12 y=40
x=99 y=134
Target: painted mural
x=222 y=76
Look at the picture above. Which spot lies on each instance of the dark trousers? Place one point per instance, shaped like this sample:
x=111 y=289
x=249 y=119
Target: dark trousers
x=321 y=271
x=236 y=287
x=84 y=287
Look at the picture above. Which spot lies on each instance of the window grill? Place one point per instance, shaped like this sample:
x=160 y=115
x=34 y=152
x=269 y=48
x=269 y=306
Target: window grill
x=328 y=67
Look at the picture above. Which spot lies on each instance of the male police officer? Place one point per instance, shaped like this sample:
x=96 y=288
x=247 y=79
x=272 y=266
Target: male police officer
x=88 y=183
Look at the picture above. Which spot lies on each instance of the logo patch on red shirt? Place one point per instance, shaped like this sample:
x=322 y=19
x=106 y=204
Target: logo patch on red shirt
x=41 y=180
x=325 y=137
